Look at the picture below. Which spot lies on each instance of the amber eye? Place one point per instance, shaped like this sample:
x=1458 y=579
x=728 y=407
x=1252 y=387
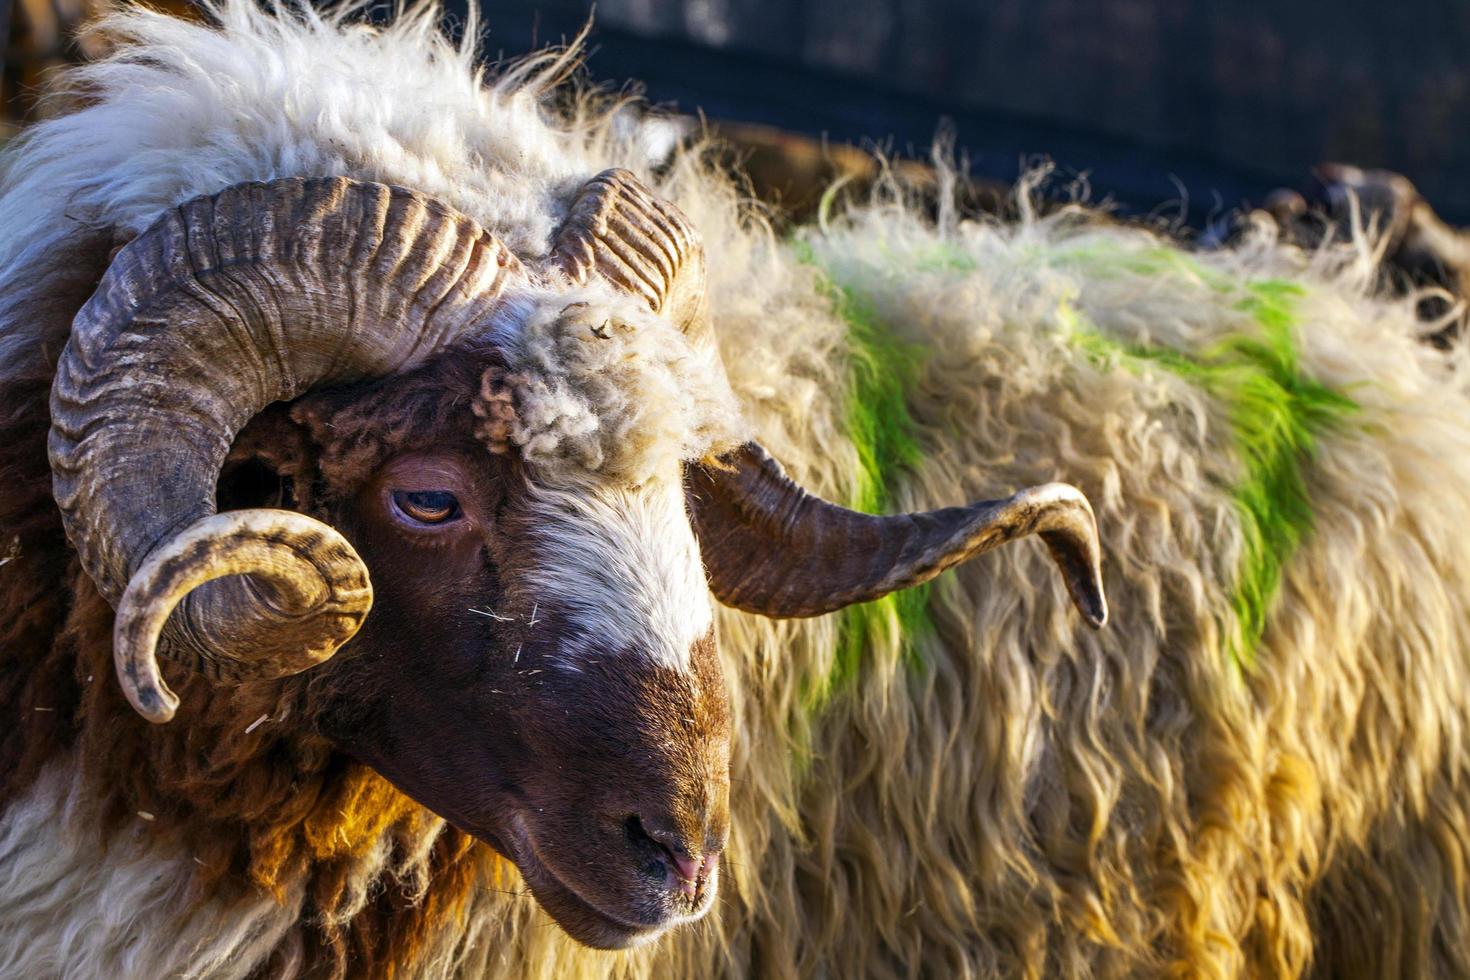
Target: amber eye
x=426 y=506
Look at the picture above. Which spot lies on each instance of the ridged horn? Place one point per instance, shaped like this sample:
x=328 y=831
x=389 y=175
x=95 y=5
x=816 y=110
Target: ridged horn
x=619 y=230
x=772 y=548
x=224 y=305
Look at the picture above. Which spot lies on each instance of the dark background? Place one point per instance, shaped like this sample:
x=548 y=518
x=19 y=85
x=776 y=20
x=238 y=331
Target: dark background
x=1182 y=108
x=1158 y=101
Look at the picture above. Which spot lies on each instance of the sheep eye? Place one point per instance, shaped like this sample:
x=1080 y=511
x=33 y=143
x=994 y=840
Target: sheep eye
x=426 y=506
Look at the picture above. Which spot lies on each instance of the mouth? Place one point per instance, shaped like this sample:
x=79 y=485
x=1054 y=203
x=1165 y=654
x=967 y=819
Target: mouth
x=643 y=913
x=583 y=920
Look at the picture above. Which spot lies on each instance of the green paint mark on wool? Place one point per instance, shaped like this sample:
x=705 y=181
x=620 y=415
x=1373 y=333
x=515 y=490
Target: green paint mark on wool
x=882 y=369
x=1107 y=261
x=1277 y=415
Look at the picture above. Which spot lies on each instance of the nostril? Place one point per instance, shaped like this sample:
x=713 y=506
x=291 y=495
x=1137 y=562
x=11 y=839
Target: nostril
x=636 y=832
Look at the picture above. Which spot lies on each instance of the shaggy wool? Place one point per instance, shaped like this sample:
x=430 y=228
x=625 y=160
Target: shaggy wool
x=618 y=395
x=1257 y=769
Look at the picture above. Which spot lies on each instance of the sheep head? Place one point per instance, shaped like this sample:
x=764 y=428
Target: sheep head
x=532 y=649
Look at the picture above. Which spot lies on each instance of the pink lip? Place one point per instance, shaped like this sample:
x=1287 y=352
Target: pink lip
x=688 y=869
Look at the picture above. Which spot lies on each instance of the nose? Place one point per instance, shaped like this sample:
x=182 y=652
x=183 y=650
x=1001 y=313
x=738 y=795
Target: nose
x=689 y=858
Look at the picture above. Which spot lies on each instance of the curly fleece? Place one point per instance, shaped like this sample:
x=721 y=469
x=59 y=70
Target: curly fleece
x=594 y=386
x=1037 y=800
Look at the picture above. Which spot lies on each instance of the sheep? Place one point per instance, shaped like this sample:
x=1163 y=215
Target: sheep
x=1420 y=251
x=1256 y=767
x=512 y=474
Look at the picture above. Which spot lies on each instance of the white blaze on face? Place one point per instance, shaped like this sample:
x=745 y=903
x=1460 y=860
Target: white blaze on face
x=623 y=565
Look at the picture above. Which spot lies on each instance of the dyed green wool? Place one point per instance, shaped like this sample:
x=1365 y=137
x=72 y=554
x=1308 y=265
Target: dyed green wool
x=1276 y=413
x=881 y=370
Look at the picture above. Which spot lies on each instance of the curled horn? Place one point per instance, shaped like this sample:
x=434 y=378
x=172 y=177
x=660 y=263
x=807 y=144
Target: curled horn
x=772 y=548
x=226 y=304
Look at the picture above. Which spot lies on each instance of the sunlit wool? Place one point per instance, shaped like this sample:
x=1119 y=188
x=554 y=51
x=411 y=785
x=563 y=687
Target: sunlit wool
x=1000 y=792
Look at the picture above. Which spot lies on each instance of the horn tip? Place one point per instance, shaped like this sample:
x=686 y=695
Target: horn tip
x=1074 y=544
x=153 y=709
x=156 y=706
x=1093 y=605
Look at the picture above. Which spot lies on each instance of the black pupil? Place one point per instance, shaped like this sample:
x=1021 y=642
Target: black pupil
x=428 y=506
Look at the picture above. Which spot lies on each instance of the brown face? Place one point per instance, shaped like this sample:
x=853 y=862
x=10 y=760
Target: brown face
x=582 y=733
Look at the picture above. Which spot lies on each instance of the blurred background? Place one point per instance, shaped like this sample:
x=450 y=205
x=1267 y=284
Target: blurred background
x=1185 y=110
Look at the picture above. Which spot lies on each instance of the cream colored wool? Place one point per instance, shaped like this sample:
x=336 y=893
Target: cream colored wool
x=595 y=385
x=68 y=909
x=1030 y=799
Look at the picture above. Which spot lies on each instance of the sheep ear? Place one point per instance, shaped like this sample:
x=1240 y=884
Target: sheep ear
x=272 y=462
x=772 y=548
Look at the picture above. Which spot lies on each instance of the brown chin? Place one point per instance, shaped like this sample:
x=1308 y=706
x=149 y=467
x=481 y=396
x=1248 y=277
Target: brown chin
x=581 y=920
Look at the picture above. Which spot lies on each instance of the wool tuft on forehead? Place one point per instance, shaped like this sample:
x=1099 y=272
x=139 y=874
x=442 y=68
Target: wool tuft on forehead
x=595 y=385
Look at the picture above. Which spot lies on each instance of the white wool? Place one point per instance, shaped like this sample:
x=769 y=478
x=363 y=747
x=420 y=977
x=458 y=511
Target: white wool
x=300 y=95
x=68 y=909
x=625 y=566
x=597 y=387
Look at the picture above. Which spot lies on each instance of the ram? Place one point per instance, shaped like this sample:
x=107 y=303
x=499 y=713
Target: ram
x=378 y=435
